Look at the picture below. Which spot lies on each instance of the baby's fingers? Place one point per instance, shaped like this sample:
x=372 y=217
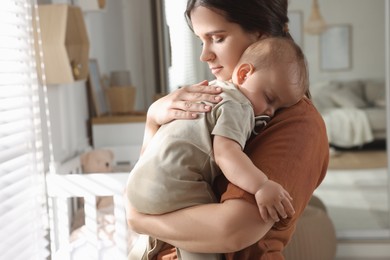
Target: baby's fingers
x=288 y=207
x=280 y=209
x=288 y=195
x=273 y=214
x=264 y=213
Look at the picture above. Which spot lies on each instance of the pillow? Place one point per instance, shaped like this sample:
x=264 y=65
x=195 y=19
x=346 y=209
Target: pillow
x=356 y=86
x=381 y=102
x=320 y=92
x=374 y=90
x=345 y=97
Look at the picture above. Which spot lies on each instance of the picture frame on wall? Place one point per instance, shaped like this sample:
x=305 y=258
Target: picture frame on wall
x=96 y=88
x=296 y=26
x=336 y=48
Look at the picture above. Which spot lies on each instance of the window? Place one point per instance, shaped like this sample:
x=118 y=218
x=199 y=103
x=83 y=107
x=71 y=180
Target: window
x=23 y=215
x=185 y=69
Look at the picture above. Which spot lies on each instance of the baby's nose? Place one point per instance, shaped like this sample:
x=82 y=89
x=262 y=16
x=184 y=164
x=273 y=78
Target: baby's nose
x=269 y=112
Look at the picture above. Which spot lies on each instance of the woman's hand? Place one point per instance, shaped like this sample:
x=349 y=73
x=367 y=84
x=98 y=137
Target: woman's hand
x=183 y=103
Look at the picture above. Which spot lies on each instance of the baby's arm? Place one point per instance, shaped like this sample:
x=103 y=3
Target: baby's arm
x=272 y=199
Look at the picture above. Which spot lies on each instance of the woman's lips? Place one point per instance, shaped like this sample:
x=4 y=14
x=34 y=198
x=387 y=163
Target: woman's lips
x=215 y=70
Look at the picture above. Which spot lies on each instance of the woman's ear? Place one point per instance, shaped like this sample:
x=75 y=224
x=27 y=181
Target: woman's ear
x=244 y=70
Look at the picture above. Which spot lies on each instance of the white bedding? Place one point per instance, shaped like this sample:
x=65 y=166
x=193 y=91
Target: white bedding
x=347 y=127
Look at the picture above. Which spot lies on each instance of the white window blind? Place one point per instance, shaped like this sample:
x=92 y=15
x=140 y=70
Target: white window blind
x=23 y=215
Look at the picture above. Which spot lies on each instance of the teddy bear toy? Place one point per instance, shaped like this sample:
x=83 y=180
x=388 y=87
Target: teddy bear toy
x=96 y=161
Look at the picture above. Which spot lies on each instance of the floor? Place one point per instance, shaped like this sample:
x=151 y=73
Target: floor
x=357 y=199
x=358 y=203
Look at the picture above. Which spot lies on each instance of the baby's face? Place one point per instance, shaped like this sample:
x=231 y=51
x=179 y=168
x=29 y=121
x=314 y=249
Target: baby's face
x=270 y=89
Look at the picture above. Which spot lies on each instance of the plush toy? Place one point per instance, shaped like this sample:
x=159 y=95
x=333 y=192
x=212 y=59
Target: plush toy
x=97 y=161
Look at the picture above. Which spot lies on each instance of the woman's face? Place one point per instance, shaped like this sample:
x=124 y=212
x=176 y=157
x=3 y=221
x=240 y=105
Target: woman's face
x=223 y=41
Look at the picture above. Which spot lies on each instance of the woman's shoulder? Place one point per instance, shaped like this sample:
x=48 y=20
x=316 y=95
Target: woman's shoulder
x=304 y=109
x=302 y=117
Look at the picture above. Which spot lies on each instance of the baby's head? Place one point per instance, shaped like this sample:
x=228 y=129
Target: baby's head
x=272 y=73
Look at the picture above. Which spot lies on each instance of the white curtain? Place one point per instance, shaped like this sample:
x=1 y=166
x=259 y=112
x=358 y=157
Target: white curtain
x=23 y=214
x=185 y=48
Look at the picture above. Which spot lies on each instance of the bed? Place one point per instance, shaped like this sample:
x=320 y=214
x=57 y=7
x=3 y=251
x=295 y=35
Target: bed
x=105 y=235
x=354 y=111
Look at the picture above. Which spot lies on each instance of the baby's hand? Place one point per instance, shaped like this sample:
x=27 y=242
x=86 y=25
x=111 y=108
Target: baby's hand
x=274 y=201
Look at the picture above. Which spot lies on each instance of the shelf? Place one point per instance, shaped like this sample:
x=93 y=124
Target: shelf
x=65 y=43
x=134 y=117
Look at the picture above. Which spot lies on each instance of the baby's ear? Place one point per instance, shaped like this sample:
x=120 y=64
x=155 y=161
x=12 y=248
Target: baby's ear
x=243 y=71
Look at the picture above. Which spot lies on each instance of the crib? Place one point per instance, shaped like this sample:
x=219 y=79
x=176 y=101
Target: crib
x=105 y=235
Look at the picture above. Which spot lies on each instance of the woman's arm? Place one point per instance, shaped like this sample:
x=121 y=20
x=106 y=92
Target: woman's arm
x=182 y=103
x=236 y=223
x=230 y=226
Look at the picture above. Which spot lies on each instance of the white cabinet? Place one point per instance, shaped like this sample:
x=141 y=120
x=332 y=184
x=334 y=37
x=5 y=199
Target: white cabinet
x=122 y=134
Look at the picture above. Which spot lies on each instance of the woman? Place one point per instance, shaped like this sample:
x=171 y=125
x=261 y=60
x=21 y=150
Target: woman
x=292 y=150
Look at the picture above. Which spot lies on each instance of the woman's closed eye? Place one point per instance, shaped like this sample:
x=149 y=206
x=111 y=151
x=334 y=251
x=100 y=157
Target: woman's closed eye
x=218 y=39
x=214 y=39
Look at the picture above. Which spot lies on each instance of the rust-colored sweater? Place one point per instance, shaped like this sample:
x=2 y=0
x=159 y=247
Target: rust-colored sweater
x=292 y=151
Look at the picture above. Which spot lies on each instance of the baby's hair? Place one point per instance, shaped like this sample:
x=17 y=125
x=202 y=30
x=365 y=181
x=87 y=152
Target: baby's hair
x=269 y=51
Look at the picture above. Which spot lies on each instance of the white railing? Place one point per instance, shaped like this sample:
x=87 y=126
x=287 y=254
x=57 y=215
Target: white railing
x=87 y=186
x=66 y=186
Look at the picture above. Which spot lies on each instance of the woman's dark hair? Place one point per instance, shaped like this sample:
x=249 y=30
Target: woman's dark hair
x=269 y=17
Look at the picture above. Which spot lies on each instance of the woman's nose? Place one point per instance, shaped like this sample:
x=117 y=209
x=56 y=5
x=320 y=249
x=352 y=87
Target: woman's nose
x=206 y=55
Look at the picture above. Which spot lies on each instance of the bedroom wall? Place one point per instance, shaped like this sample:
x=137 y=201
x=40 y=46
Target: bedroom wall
x=367 y=19
x=121 y=39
